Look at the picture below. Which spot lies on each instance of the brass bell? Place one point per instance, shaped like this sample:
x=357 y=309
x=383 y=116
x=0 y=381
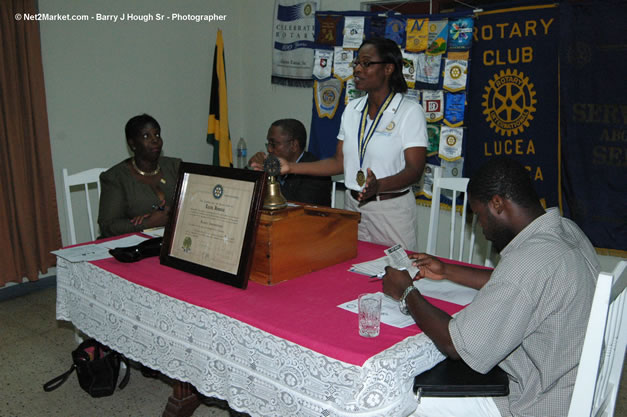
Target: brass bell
x=273 y=199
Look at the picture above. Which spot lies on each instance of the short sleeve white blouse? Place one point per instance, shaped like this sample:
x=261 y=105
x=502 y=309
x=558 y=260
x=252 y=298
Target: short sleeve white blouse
x=402 y=126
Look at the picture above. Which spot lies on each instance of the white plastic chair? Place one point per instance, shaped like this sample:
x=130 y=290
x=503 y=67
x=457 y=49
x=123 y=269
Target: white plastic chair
x=601 y=363
x=487 y=261
x=335 y=187
x=84 y=178
x=457 y=185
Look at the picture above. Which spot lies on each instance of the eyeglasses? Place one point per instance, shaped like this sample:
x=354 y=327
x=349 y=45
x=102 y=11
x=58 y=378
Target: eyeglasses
x=273 y=144
x=366 y=64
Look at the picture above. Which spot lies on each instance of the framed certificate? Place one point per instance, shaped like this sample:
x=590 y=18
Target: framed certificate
x=213 y=225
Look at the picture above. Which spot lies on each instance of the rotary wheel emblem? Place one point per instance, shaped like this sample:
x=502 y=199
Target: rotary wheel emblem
x=509 y=102
x=455 y=72
x=218 y=190
x=272 y=166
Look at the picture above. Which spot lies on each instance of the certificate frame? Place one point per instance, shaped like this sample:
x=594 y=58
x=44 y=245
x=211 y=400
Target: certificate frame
x=226 y=229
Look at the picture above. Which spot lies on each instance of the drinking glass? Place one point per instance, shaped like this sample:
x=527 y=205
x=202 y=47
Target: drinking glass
x=369 y=315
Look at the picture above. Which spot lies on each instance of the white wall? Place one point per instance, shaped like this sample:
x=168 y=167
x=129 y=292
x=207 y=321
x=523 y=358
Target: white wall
x=98 y=74
x=263 y=102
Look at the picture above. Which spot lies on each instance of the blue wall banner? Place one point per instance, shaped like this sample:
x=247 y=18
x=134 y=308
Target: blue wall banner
x=593 y=54
x=513 y=93
x=328 y=106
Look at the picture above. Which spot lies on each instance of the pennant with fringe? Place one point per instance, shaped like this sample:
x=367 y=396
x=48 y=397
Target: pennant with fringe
x=293 y=42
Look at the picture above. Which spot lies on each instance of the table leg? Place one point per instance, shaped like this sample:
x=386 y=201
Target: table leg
x=183 y=401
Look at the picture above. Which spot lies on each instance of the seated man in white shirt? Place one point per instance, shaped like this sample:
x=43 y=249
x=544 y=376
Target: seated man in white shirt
x=529 y=316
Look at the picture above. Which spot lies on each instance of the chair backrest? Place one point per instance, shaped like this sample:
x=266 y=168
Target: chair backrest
x=487 y=260
x=336 y=185
x=603 y=353
x=457 y=185
x=84 y=178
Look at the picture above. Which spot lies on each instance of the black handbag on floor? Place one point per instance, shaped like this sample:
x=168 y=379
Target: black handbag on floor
x=97 y=367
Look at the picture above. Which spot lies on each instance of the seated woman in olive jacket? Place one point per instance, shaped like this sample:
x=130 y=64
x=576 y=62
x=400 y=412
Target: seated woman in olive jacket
x=137 y=193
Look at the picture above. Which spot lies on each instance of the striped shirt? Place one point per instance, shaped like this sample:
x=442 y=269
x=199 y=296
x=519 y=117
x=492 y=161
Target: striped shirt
x=531 y=316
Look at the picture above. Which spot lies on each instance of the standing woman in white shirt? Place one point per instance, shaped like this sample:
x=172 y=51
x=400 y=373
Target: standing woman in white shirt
x=381 y=148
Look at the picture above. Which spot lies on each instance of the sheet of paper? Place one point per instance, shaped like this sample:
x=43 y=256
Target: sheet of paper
x=442 y=290
x=209 y=229
x=83 y=253
x=155 y=231
x=96 y=251
x=390 y=313
x=446 y=290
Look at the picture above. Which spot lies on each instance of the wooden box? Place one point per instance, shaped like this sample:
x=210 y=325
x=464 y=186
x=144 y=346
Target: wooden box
x=297 y=240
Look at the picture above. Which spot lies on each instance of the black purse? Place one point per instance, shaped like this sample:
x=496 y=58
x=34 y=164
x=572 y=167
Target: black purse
x=97 y=367
x=146 y=249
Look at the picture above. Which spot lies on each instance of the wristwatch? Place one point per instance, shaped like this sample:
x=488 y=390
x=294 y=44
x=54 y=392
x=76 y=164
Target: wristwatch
x=402 y=303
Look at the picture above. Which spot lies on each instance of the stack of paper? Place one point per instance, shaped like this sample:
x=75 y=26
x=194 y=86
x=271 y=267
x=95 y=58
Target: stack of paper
x=371 y=268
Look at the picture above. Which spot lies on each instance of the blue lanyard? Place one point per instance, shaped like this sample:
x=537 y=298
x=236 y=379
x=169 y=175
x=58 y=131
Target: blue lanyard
x=364 y=138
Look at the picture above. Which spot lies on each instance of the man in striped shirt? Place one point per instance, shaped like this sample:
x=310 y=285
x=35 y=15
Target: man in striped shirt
x=530 y=314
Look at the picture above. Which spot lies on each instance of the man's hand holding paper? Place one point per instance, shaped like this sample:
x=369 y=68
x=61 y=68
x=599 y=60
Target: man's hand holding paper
x=398 y=259
x=428 y=266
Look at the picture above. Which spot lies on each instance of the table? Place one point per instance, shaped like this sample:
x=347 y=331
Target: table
x=284 y=350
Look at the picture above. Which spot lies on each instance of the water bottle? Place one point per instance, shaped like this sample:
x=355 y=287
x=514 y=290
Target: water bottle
x=241 y=154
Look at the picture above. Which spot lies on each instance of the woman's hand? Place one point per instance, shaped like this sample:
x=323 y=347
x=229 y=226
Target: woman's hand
x=137 y=220
x=285 y=165
x=156 y=218
x=430 y=266
x=371 y=188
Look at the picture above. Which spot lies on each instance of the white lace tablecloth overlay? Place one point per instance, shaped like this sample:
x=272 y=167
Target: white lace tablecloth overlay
x=256 y=372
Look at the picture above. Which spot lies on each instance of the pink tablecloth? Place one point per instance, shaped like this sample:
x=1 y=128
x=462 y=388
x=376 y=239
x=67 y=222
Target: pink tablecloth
x=302 y=310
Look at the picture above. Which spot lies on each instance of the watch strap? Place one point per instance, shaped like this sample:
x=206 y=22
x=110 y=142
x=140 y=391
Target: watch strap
x=403 y=301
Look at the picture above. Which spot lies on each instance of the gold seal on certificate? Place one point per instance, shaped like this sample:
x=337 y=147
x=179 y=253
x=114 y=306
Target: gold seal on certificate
x=361 y=178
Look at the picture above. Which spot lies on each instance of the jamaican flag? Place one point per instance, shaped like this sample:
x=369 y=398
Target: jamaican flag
x=218 y=127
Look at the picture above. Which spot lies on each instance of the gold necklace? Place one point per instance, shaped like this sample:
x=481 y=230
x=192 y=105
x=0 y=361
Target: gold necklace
x=144 y=173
